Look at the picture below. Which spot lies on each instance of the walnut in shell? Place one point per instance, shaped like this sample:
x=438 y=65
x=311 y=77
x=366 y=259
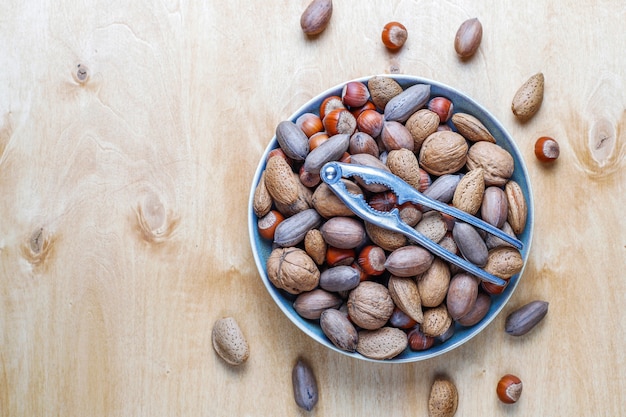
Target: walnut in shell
x=292 y=270
x=443 y=152
x=370 y=305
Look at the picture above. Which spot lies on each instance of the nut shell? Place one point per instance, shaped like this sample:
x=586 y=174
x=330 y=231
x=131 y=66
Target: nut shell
x=370 y=305
x=495 y=160
x=383 y=343
x=403 y=105
x=443 y=399
x=316 y=17
x=468 y=195
x=292 y=270
x=280 y=181
x=382 y=89
x=229 y=342
x=436 y=321
x=471 y=128
x=339 y=330
x=433 y=284
x=443 y=152
x=409 y=261
x=406 y=297
x=343 y=232
x=528 y=98
x=468 y=38
x=311 y=304
x=517 y=207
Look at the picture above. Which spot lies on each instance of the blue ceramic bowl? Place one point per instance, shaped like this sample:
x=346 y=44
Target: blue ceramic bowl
x=262 y=248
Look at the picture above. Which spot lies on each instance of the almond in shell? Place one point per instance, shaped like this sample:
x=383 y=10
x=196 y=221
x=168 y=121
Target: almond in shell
x=229 y=342
x=528 y=98
x=281 y=184
x=468 y=195
x=403 y=163
x=383 y=343
x=517 y=207
x=382 y=89
x=422 y=124
x=406 y=297
x=471 y=128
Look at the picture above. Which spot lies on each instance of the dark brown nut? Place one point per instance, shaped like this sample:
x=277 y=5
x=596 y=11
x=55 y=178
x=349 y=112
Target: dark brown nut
x=292 y=230
x=395 y=136
x=433 y=284
x=494 y=242
x=418 y=341
x=478 y=312
x=494 y=208
x=468 y=37
x=408 y=261
x=462 y=295
x=363 y=143
x=339 y=278
x=370 y=305
x=311 y=304
x=525 y=318
x=305 y=391
x=329 y=150
x=443 y=188
x=339 y=330
x=382 y=89
x=326 y=202
x=316 y=17
x=403 y=105
x=229 y=342
x=343 y=232
x=436 y=321
x=470 y=243
x=383 y=343
x=443 y=152
x=292 y=140
x=406 y=297
x=292 y=270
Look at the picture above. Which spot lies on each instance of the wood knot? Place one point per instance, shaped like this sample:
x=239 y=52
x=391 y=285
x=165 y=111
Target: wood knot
x=81 y=75
x=38 y=247
x=153 y=222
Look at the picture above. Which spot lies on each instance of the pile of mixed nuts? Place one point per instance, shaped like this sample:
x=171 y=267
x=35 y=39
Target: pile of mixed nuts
x=371 y=290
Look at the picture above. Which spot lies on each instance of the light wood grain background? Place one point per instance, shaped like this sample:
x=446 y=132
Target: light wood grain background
x=129 y=135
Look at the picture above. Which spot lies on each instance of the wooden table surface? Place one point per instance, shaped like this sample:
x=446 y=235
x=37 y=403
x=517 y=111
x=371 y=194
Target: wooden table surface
x=129 y=136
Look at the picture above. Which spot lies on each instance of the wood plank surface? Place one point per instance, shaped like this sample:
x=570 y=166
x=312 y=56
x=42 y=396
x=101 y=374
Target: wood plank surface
x=129 y=136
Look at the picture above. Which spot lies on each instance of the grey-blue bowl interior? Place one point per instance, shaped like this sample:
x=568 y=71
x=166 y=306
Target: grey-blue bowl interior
x=262 y=248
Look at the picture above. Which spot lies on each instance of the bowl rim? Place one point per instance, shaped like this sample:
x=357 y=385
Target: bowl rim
x=415 y=356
